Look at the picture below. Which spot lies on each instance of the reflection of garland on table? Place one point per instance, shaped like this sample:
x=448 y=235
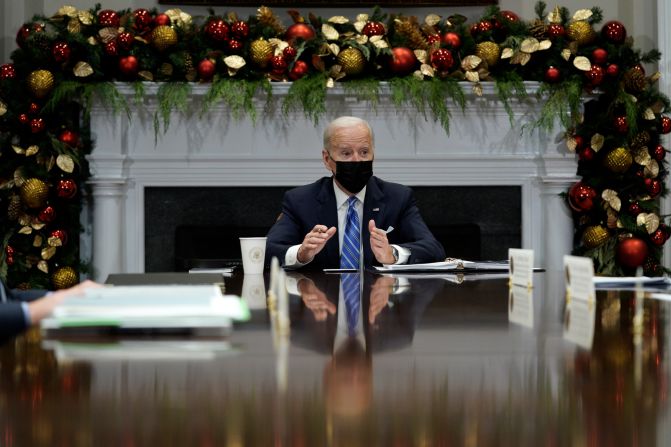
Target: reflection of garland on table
x=65 y=61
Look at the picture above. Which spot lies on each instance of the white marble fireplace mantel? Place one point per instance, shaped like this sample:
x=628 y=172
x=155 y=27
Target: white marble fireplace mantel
x=218 y=150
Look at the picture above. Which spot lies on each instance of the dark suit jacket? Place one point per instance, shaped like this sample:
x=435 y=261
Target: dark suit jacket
x=12 y=318
x=386 y=203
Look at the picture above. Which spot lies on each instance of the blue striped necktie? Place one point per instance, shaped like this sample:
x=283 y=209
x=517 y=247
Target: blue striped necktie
x=351 y=289
x=351 y=245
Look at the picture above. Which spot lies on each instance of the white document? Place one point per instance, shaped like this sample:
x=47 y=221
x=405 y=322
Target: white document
x=448 y=265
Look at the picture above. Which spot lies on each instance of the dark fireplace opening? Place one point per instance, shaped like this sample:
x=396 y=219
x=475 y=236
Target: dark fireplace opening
x=190 y=227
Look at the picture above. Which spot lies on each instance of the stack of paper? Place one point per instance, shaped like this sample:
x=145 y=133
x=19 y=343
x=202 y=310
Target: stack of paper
x=449 y=265
x=149 y=307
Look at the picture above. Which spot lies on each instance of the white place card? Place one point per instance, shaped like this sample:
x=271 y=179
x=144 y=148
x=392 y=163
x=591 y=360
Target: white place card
x=521 y=306
x=579 y=277
x=521 y=265
x=579 y=322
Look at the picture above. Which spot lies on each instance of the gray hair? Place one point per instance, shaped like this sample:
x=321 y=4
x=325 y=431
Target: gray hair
x=345 y=122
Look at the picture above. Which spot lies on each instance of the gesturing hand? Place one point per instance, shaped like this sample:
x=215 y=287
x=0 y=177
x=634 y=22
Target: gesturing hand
x=315 y=300
x=380 y=244
x=313 y=242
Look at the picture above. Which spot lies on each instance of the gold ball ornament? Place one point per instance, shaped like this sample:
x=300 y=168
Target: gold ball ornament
x=64 y=278
x=489 y=52
x=40 y=83
x=261 y=52
x=34 y=193
x=594 y=236
x=618 y=160
x=581 y=31
x=163 y=37
x=352 y=61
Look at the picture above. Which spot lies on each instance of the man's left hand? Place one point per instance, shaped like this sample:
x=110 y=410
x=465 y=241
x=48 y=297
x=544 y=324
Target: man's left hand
x=380 y=244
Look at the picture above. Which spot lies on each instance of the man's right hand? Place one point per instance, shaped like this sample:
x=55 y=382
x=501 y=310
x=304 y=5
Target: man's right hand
x=315 y=299
x=313 y=242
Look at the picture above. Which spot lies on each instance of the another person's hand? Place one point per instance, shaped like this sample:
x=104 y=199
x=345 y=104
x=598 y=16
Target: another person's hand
x=314 y=242
x=315 y=299
x=380 y=244
x=43 y=307
x=379 y=296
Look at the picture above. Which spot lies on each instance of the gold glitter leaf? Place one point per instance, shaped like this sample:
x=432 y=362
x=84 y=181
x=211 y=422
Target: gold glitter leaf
x=612 y=221
x=362 y=18
x=470 y=62
x=422 y=56
x=596 y=142
x=529 y=45
x=379 y=42
x=66 y=10
x=432 y=19
x=648 y=114
x=361 y=39
x=234 y=62
x=37 y=242
x=544 y=44
x=339 y=20
x=85 y=17
x=334 y=48
x=18 y=149
x=649 y=220
x=651 y=170
x=43 y=266
x=55 y=242
x=427 y=70
x=507 y=53
x=641 y=155
x=582 y=14
x=555 y=16
x=82 y=69
x=582 y=63
x=32 y=150
x=48 y=252
x=92 y=41
x=3 y=108
x=472 y=76
x=108 y=34
x=329 y=32
x=477 y=89
x=566 y=54
x=571 y=143
x=25 y=230
x=66 y=163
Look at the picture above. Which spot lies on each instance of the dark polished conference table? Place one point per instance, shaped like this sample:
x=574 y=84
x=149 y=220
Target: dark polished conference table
x=435 y=362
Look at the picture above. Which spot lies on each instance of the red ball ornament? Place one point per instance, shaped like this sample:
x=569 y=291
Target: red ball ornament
x=441 y=59
x=107 y=17
x=69 y=137
x=658 y=237
x=48 y=214
x=234 y=46
x=612 y=70
x=579 y=141
x=586 y=154
x=555 y=30
x=594 y=75
x=26 y=31
x=66 y=189
x=634 y=208
x=631 y=252
x=403 y=61
x=433 y=39
x=371 y=29
x=300 y=69
x=289 y=53
x=217 y=30
x=142 y=19
x=206 y=69
x=665 y=124
x=125 y=40
x=299 y=31
x=24 y=118
x=614 y=32
x=128 y=65
x=240 y=30
x=659 y=152
x=552 y=74
x=474 y=29
x=581 y=197
x=509 y=16
x=452 y=39
x=162 y=20
x=111 y=48
x=37 y=125
x=621 y=124
x=653 y=186
x=33 y=108
x=61 y=52
x=484 y=26
x=7 y=71
x=60 y=234
x=278 y=65
x=599 y=56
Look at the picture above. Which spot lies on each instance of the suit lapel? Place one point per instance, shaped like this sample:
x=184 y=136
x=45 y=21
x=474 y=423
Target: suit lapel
x=328 y=215
x=373 y=208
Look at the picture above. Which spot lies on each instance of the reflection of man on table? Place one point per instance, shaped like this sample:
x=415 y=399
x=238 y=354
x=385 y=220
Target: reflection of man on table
x=312 y=215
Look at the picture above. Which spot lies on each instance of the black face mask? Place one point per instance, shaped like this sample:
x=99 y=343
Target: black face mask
x=354 y=175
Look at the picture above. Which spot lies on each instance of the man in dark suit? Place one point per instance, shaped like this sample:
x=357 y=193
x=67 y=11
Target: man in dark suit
x=20 y=309
x=303 y=236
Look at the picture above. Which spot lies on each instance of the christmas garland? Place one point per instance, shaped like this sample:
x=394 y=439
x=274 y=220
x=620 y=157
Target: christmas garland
x=65 y=62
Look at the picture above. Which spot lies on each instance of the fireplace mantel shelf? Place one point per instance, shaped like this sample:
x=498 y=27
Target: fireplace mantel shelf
x=216 y=149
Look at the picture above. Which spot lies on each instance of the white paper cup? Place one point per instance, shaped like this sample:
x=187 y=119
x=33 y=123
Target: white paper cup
x=254 y=291
x=253 y=254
